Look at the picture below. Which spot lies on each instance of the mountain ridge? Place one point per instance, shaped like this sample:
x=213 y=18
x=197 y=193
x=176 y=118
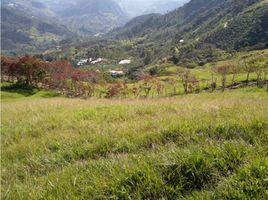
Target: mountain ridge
x=22 y=31
x=35 y=26
x=201 y=25
x=90 y=17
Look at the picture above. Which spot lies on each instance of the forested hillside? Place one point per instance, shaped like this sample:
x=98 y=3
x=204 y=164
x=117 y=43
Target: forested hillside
x=29 y=28
x=200 y=28
x=196 y=18
x=35 y=26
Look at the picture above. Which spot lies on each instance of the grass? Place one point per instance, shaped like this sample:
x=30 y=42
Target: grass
x=203 y=73
x=202 y=146
x=11 y=92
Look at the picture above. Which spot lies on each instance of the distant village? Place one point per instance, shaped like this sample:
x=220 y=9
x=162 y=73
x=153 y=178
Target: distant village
x=113 y=73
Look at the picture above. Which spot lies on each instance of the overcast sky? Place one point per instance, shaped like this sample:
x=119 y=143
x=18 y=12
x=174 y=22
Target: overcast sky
x=131 y=7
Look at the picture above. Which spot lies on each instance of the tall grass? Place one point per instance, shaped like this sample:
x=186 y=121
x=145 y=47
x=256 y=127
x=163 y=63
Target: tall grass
x=210 y=146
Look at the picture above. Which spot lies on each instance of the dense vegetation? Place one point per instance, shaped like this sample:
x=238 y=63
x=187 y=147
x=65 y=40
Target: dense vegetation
x=200 y=31
x=25 y=29
x=36 y=26
x=155 y=80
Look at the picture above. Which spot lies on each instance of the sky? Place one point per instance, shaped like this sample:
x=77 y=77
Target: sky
x=131 y=7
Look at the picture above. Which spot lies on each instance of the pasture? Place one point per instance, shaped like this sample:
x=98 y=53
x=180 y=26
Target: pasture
x=197 y=146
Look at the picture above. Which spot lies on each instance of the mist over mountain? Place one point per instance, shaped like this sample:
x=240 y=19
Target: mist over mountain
x=139 y=7
x=88 y=17
x=91 y=17
x=163 y=7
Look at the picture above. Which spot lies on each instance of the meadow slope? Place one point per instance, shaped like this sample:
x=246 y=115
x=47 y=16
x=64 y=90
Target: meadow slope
x=200 y=146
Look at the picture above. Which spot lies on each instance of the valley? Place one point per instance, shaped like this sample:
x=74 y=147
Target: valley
x=122 y=99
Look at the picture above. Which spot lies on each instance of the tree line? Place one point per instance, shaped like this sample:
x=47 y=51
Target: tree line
x=61 y=76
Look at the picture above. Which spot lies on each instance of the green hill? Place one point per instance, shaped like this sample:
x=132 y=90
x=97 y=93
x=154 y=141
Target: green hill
x=29 y=28
x=201 y=27
x=35 y=26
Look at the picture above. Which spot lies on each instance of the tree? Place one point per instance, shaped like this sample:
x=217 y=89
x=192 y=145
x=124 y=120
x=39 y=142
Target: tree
x=194 y=85
x=247 y=67
x=223 y=70
x=148 y=57
x=79 y=80
x=213 y=84
x=125 y=90
x=114 y=90
x=173 y=83
x=186 y=79
x=159 y=87
x=154 y=71
x=31 y=70
x=8 y=68
x=136 y=91
x=234 y=70
x=59 y=73
x=146 y=84
x=257 y=65
x=92 y=81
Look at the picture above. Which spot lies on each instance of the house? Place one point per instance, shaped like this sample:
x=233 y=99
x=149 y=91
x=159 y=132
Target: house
x=83 y=61
x=99 y=60
x=124 y=62
x=115 y=73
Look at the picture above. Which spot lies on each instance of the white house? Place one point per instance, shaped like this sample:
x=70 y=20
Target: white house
x=82 y=62
x=124 y=62
x=115 y=73
x=99 y=60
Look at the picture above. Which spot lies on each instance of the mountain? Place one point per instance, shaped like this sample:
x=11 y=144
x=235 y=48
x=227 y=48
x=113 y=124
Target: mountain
x=201 y=27
x=200 y=31
x=135 y=8
x=164 y=7
x=138 y=26
x=35 y=8
x=29 y=26
x=89 y=17
x=139 y=7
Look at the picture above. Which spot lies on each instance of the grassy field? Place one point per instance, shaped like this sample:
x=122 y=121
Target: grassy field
x=200 y=146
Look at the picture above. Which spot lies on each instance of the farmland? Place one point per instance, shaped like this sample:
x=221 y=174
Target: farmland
x=207 y=145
